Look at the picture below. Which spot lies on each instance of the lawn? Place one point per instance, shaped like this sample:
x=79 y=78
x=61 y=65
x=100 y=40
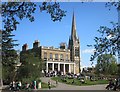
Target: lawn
x=45 y=85
x=77 y=82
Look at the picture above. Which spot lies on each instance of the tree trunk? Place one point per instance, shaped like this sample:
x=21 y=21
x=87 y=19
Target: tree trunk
x=119 y=31
x=118 y=69
x=1 y=82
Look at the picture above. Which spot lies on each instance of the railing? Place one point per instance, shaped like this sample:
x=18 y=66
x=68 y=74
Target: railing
x=53 y=59
x=45 y=47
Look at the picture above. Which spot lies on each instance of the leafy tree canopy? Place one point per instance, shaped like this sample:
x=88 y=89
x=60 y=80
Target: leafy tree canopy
x=109 y=40
x=31 y=67
x=12 y=13
x=106 y=64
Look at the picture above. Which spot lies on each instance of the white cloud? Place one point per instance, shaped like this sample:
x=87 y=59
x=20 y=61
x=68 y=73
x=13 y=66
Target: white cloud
x=86 y=51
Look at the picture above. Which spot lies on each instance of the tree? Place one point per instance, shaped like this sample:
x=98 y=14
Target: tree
x=106 y=64
x=9 y=55
x=7 y=48
x=1 y=83
x=31 y=67
x=108 y=42
x=12 y=13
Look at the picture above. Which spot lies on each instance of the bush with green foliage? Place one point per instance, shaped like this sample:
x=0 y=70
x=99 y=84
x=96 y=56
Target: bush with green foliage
x=31 y=67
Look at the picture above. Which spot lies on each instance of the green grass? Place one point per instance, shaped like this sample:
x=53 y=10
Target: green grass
x=45 y=85
x=77 y=82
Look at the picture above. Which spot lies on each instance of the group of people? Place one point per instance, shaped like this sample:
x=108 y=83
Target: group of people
x=51 y=73
x=15 y=85
x=113 y=85
x=18 y=85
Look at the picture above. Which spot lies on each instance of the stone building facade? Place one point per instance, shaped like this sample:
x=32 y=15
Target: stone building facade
x=64 y=59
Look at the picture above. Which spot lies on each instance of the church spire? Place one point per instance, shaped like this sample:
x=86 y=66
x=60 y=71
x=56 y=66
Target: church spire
x=73 y=31
x=74 y=46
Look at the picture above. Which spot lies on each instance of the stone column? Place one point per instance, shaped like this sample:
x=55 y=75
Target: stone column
x=47 y=67
x=64 y=68
x=58 y=66
x=69 y=68
x=53 y=67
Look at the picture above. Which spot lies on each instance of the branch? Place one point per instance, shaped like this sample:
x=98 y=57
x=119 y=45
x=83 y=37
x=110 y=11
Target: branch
x=12 y=11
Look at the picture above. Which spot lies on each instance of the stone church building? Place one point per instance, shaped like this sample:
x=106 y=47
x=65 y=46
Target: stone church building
x=63 y=59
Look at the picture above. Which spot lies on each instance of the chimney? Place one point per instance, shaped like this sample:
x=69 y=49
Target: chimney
x=62 y=45
x=36 y=44
x=25 y=47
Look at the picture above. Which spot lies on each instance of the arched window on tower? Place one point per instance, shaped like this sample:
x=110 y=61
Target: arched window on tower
x=77 y=51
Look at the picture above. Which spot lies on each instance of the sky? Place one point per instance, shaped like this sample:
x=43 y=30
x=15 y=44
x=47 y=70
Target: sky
x=89 y=17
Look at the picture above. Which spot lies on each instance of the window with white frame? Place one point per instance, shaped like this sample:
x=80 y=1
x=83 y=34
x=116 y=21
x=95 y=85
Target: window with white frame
x=51 y=56
x=56 y=56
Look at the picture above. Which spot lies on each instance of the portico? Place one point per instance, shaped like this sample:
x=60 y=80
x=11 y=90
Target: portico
x=64 y=67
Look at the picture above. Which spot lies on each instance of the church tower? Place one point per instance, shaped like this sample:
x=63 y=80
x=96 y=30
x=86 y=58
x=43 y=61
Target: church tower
x=74 y=46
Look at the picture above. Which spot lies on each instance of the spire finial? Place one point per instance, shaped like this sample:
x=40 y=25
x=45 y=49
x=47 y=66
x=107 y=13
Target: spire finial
x=73 y=31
